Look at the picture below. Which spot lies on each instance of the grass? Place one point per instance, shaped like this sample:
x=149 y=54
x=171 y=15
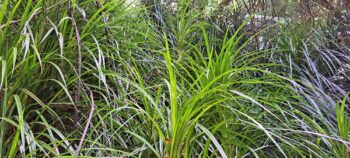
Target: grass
x=105 y=79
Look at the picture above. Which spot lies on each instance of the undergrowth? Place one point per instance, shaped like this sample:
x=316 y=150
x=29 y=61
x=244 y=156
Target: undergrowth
x=105 y=78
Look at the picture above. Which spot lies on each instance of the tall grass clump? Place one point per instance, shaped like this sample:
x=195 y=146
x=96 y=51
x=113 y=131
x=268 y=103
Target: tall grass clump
x=118 y=79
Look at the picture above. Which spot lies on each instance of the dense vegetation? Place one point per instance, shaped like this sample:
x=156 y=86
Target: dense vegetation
x=232 y=78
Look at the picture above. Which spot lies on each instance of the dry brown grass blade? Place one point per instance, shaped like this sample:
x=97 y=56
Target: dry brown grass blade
x=79 y=59
x=92 y=109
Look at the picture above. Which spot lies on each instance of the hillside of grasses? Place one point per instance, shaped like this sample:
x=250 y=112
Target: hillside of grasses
x=172 y=79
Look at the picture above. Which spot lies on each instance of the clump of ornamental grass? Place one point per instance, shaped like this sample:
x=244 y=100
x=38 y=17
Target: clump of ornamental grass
x=104 y=78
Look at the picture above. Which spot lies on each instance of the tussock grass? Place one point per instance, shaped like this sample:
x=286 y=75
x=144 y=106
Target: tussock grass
x=102 y=78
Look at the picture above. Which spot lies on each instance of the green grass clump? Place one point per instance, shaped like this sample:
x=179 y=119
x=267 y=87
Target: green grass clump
x=107 y=79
